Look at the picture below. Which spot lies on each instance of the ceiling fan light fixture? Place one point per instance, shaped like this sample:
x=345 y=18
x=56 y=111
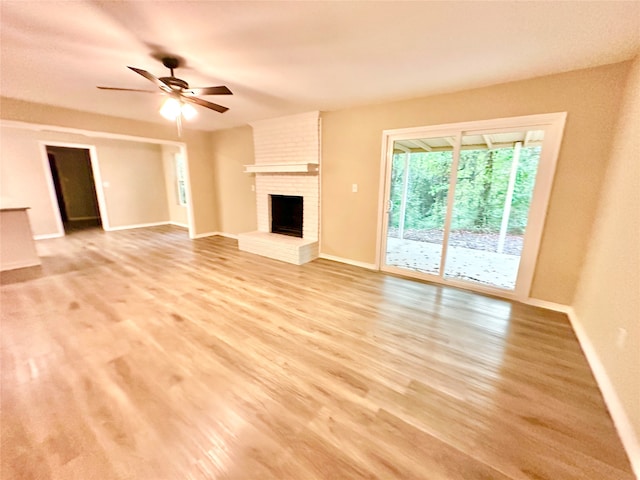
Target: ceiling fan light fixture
x=171 y=109
x=188 y=111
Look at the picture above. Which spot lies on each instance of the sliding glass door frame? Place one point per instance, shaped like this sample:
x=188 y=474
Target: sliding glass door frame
x=553 y=126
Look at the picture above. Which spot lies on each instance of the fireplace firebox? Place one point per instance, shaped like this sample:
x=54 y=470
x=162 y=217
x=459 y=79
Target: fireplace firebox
x=286 y=215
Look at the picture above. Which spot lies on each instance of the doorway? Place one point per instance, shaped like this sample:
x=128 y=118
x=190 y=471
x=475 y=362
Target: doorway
x=465 y=204
x=75 y=189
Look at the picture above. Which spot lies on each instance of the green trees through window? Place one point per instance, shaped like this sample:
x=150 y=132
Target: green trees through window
x=481 y=189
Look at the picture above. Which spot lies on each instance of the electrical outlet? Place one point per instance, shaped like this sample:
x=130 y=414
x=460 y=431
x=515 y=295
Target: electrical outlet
x=253 y=188
x=354 y=187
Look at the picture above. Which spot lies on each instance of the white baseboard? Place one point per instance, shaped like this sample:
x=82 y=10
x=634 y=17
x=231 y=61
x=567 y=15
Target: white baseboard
x=176 y=224
x=618 y=414
x=227 y=235
x=611 y=399
x=138 y=225
x=556 y=307
x=47 y=236
x=216 y=234
x=205 y=234
x=355 y=263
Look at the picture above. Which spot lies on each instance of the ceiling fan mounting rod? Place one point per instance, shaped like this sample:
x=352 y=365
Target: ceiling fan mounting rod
x=170 y=63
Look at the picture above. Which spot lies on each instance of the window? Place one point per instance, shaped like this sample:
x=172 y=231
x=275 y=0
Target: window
x=181 y=176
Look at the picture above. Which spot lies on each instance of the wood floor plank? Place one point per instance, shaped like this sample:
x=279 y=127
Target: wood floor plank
x=142 y=354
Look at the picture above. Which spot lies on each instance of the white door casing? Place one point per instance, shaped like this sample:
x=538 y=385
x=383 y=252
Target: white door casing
x=553 y=127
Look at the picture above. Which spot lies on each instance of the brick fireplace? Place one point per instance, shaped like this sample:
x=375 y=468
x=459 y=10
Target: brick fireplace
x=287 y=162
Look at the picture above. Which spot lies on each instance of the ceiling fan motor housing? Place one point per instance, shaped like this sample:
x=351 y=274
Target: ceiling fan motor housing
x=175 y=83
x=171 y=62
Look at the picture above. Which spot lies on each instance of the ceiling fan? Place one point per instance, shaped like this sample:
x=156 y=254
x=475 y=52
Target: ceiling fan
x=180 y=96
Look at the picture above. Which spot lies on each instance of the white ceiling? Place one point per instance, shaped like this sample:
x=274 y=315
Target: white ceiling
x=281 y=58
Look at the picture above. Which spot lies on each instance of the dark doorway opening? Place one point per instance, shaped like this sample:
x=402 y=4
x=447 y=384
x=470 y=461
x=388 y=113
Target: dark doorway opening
x=75 y=187
x=286 y=215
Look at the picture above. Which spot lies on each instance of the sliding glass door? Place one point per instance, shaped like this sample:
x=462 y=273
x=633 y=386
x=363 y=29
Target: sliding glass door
x=419 y=189
x=459 y=204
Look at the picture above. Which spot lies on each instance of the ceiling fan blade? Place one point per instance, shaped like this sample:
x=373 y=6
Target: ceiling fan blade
x=127 y=89
x=148 y=76
x=204 y=103
x=222 y=90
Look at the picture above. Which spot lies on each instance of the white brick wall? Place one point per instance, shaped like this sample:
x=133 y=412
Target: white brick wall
x=292 y=139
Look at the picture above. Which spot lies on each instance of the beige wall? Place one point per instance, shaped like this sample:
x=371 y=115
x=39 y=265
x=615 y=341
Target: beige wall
x=177 y=212
x=23 y=181
x=134 y=171
x=23 y=111
x=198 y=145
x=133 y=182
x=351 y=144
x=231 y=149
x=608 y=294
x=203 y=181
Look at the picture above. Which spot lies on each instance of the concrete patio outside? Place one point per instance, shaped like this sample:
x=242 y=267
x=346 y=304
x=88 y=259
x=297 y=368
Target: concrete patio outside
x=487 y=268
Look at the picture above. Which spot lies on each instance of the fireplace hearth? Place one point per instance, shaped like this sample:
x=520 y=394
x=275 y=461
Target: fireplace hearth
x=286 y=215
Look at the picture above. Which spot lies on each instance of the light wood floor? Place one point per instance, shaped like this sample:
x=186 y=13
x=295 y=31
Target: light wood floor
x=143 y=355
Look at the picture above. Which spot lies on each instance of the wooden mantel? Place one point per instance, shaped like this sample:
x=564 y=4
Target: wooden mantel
x=282 y=168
